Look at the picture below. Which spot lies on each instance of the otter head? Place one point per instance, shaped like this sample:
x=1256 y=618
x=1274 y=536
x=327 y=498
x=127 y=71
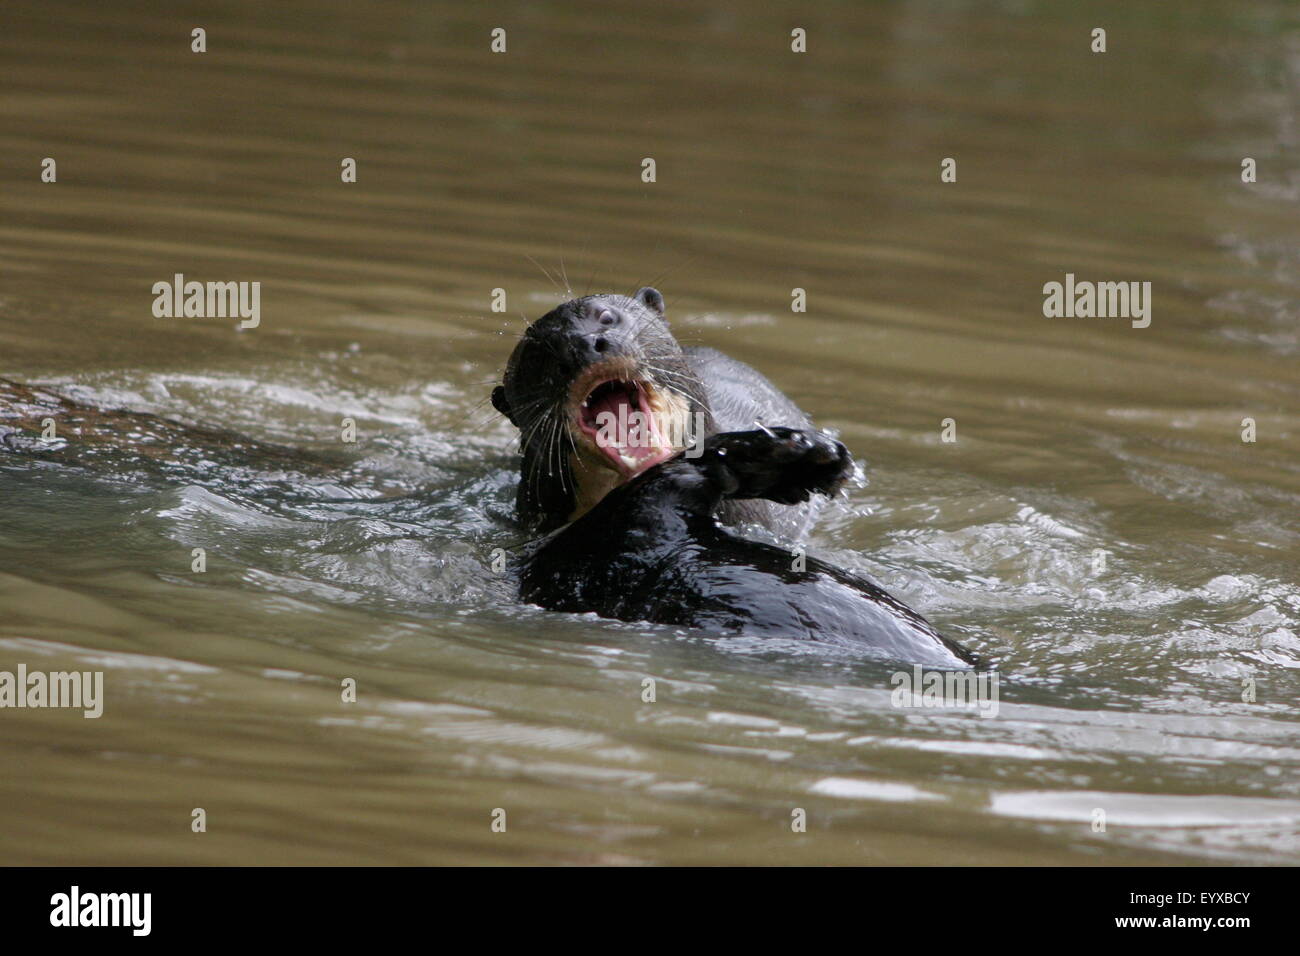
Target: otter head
x=600 y=391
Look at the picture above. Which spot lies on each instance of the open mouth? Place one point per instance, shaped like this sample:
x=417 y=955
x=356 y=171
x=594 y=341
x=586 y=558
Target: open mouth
x=620 y=417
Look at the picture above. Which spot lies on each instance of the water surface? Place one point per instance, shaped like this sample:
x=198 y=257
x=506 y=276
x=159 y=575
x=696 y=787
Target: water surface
x=1121 y=686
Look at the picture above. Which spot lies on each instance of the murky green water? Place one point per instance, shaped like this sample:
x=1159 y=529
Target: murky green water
x=1121 y=685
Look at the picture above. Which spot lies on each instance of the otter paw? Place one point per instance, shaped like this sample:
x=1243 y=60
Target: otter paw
x=785 y=465
x=812 y=462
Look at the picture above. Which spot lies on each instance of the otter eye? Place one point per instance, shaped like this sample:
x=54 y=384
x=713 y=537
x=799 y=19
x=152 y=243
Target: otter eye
x=607 y=317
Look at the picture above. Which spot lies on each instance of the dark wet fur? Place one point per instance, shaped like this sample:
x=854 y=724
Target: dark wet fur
x=653 y=550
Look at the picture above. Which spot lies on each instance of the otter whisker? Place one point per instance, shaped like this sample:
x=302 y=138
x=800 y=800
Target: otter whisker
x=526 y=439
x=675 y=390
x=677 y=373
x=672 y=374
x=522 y=410
x=549 y=277
x=686 y=261
x=572 y=444
x=553 y=449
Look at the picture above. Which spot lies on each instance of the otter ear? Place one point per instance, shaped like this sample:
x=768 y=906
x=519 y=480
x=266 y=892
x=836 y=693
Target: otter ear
x=651 y=298
x=500 y=404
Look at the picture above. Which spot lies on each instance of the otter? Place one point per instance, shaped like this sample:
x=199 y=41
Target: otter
x=614 y=357
x=631 y=519
x=652 y=550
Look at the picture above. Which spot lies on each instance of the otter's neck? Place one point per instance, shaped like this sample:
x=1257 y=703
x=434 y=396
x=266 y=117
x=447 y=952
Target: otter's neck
x=592 y=481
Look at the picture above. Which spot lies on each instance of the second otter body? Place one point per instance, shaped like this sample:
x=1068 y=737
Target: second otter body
x=612 y=358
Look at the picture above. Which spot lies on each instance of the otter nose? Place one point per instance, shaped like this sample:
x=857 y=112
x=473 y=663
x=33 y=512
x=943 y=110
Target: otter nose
x=601 y=342
x=600 y=332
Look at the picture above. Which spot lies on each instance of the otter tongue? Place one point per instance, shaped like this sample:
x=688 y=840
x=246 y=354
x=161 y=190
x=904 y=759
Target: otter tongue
x=634 y=436
x=613 y=404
